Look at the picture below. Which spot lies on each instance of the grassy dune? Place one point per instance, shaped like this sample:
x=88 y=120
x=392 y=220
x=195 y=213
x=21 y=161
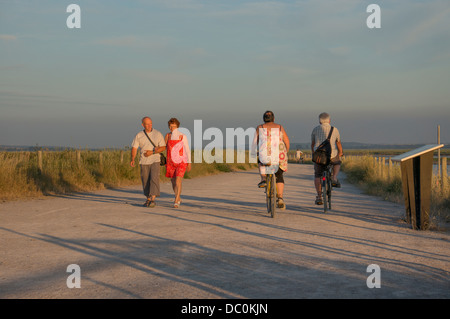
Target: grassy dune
x=62 y=172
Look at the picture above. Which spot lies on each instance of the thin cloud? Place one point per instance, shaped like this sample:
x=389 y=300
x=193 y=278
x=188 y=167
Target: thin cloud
x=11 y=67
x=340 y=51
x=424 y=28
x=132 y=41
x=175 y=4
x=418 y=27
x=293 y=71
x=257 y=9
x=8 y=37
x=7 y=94
x=197 y=52
x=167 y=77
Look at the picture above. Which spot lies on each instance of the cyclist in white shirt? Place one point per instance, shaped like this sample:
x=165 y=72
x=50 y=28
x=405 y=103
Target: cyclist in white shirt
x=318 y=135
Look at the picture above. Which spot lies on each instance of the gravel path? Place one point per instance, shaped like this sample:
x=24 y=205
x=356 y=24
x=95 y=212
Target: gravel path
x=220 y=243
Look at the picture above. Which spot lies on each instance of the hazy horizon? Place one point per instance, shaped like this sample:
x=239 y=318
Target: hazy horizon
x=226 y=63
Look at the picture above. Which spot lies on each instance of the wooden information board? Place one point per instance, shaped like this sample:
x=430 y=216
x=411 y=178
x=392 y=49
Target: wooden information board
x=417 y=171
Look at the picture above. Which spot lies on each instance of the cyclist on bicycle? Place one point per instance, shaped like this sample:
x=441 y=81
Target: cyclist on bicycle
x=272 y=140
x=318 y=135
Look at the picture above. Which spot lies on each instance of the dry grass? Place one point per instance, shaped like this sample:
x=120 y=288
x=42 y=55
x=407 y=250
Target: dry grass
x=363 y=172
x=20 y=176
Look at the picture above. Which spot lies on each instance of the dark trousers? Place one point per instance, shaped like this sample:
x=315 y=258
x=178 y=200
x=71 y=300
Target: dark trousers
x=319 y=169
x=150 y=179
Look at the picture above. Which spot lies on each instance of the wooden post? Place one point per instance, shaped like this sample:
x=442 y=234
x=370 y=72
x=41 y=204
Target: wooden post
x=439 y=150
x=39 y=154
x=79 y=159
x=100 y=160
x=408 y=188
x=121 y=157
x=444 y=174
x=383 y=167
x=426 y=173
x=390 y=171
x=417 y=171
x=379 y=166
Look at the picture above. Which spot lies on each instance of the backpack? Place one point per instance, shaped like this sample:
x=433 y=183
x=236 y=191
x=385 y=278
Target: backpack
x=322 y=155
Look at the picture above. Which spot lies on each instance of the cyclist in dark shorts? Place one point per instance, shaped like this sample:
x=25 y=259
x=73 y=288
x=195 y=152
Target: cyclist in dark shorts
x=318 y=135
x=280 y=150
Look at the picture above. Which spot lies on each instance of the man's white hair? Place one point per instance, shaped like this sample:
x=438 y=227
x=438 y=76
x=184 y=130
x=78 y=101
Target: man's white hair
x=324 y=118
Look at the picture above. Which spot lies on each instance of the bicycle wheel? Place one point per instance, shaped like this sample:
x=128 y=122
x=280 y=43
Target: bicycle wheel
x=274 y=196
x=271 y=194
x=329 y=188
x=268 y=188
x=325 y=191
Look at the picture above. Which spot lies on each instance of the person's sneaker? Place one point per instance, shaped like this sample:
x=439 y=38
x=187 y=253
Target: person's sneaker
x=147 y=203
x=281 y=204
x=152 y=204
x=262 y=184
x=336 y=184
x=319 y=200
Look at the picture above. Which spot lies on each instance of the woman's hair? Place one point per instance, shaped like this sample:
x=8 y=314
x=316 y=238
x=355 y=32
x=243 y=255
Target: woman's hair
x=268 y=117
x=174 y=121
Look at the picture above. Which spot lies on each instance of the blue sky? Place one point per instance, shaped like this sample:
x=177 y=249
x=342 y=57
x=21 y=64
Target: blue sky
x=224 y=62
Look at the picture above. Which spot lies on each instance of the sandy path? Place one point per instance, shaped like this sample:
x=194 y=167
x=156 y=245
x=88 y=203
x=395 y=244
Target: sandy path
x=220 y=243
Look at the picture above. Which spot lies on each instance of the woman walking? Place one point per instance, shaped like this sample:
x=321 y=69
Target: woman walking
x=178 y=158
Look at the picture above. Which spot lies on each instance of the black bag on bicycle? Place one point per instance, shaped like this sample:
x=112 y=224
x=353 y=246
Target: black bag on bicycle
x=322 y=155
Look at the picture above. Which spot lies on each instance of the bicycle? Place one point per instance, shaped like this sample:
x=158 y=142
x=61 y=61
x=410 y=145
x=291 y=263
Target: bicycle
x=271 y=194
x=326 y=188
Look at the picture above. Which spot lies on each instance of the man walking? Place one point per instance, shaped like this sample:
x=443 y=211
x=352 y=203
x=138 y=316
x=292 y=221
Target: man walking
x=318 y=135
x=151 y=142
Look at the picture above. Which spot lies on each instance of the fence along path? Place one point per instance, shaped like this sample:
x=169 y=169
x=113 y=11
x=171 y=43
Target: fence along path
x=385 y=167
x=220 y=243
